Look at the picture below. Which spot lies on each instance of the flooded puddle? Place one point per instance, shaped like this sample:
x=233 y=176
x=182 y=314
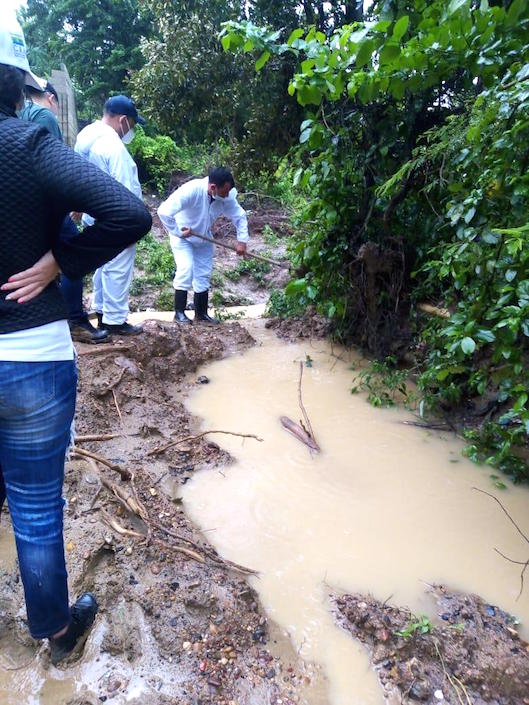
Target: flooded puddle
x=384 y=509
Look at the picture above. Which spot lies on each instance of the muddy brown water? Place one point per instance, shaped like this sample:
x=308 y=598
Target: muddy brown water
x=384 y=509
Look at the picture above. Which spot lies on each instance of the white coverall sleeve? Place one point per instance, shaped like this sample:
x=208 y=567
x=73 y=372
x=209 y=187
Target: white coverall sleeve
x=179 y=200
x=121 y=168
x=236 y=213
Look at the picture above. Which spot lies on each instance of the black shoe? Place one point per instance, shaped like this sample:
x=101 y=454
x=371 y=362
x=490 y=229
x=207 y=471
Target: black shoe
x=122 y=328
x=84 y=332
x=99 y=317
x=180 y=301
x=201 y=309
x=83 y=615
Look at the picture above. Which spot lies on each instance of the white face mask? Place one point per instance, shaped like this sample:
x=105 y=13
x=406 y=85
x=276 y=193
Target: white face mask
x=129 y=135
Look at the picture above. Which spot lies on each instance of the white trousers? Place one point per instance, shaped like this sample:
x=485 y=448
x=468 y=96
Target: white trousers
x=194 y=263
x=111 y=287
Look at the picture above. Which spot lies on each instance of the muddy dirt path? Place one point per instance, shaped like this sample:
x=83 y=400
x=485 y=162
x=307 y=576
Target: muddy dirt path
x=176 y=623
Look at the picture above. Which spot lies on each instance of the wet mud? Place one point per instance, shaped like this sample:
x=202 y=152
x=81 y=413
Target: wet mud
x=473 y=654
x=176 y=623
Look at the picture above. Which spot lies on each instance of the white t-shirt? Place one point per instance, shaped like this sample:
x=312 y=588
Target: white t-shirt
x=51 y=342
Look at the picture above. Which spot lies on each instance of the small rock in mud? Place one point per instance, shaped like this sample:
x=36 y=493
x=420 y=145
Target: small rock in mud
x=202 y=379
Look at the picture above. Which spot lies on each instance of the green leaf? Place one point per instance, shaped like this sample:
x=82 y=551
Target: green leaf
x=305 y=135
x=515 y=10
x=470 y=214
x=261 y=61
x=510 y=275
x=364 y=53
x=455 y=6
x=389 y=51
x=485 y=336
x=401 y=26
x=226 y=41
x=468 y=345
x=295 y=287
x=520 y=402
x=296 y=34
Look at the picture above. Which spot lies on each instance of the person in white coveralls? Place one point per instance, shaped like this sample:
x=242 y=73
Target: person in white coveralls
x=103 y=143
x=193 y=208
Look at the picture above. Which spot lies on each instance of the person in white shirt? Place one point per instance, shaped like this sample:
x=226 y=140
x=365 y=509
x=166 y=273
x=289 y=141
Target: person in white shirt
x=103 y=143
x=193 y=208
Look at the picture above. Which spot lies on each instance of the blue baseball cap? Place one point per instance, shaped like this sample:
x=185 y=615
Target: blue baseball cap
x=123 y=105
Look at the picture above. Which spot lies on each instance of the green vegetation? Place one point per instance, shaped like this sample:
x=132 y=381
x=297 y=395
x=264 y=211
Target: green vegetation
x=282 y=306
x=159 y=157
x=99 y=42
x=418 y=625
x=156 y=259
x=254 y=268
x=413 y=158
x=384 y=383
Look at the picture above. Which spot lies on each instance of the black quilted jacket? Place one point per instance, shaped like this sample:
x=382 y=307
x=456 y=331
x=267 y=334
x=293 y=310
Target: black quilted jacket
x=41 y=180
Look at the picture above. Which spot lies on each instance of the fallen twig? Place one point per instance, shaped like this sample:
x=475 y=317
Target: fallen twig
x=96 y=437
x=303 y=410
x=162 y=449
x=125 y=474
x=429 y=426
x=106 y=350
x=525 y=564
x=209 y=552
x=117 y=406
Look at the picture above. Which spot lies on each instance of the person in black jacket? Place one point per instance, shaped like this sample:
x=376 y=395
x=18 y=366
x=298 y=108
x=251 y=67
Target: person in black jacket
x=43 y=109
x=41 y=180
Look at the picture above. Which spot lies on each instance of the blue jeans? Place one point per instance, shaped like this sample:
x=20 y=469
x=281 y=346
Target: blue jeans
x=37 y=405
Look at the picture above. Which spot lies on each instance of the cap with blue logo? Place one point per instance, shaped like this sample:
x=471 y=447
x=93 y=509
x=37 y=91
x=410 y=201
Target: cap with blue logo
x=13 y=50
x=123 y=105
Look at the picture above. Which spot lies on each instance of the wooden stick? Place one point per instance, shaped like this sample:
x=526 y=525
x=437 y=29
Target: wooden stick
x=284 y=265
x=310 y=432
x=125 y=474
x=161 y=449
x=117 y=406
x=107 y=350
x=97 y=437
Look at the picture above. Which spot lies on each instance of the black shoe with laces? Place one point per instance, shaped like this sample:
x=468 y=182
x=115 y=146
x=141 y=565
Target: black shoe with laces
x=83 y=331
x=122 y=328
x=83 y=615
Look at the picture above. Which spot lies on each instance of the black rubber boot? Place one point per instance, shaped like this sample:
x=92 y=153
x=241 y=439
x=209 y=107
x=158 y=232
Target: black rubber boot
x=180 y=302
x=201 y=308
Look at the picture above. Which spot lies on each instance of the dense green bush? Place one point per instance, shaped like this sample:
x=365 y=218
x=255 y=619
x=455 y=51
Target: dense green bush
x=159 y=157
x=414 y=161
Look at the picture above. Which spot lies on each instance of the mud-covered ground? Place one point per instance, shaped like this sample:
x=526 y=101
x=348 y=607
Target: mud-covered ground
x=172 y=613
x=471 y=655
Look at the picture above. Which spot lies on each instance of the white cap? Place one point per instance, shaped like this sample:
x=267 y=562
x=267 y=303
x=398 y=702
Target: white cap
x=13 y=50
